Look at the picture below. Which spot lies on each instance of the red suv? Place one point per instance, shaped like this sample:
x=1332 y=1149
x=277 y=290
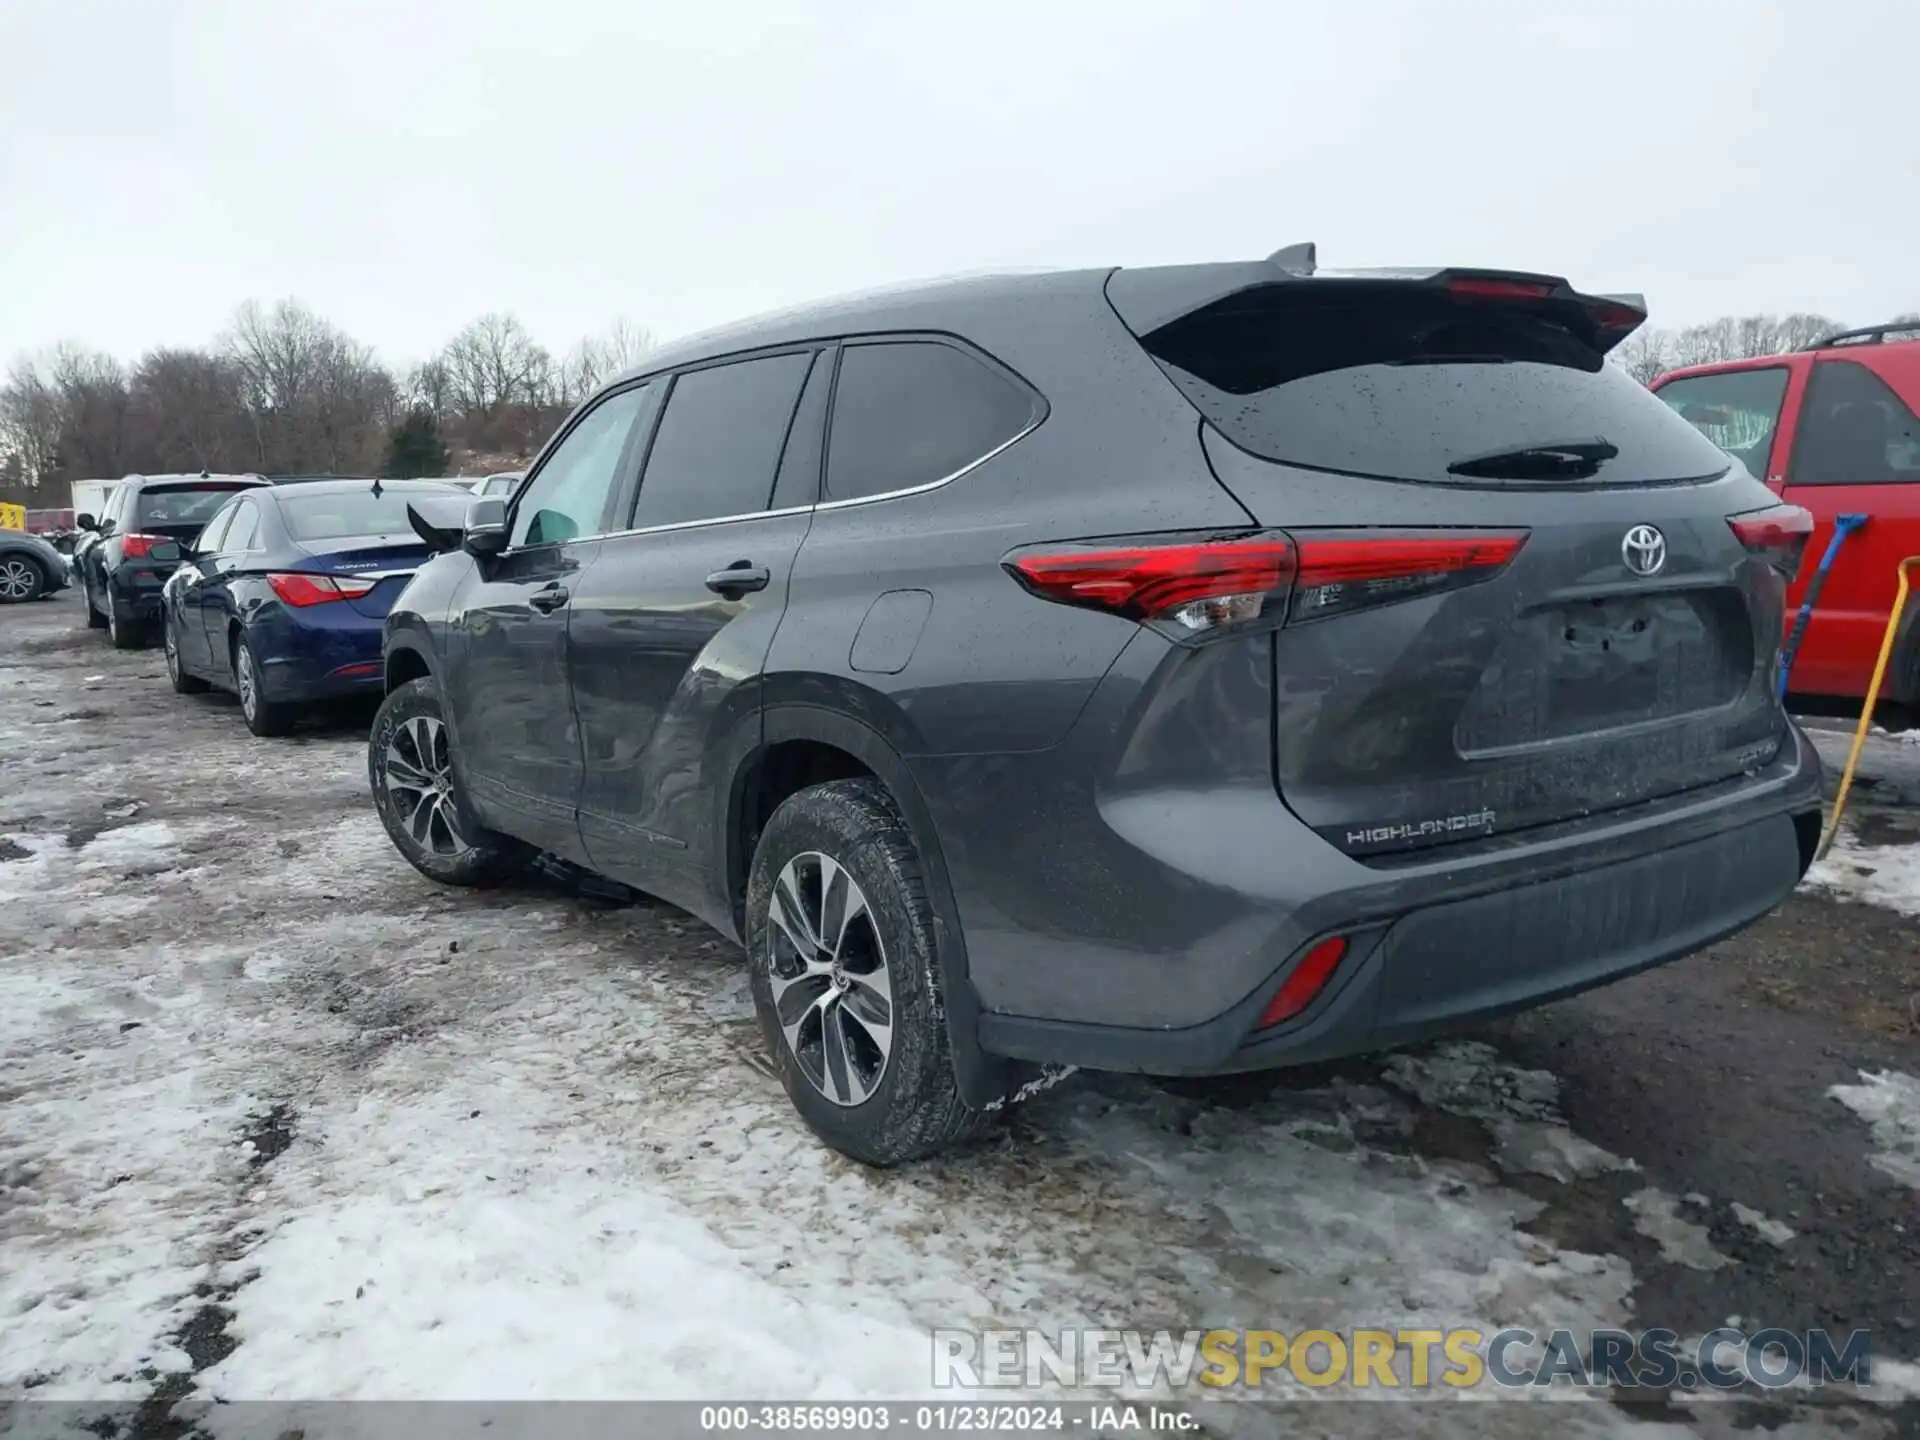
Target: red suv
x=1832 y=428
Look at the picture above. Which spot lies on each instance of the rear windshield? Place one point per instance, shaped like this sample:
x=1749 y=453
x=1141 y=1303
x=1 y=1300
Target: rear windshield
x=1403 y=382
x=352 y=512
x=181 y=505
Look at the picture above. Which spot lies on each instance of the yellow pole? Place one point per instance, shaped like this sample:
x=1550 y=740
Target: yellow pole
x=1866 y=709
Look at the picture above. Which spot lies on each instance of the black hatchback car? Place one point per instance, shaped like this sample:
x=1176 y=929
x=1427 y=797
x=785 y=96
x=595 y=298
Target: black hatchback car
x=134 y=546
x=1175 y=670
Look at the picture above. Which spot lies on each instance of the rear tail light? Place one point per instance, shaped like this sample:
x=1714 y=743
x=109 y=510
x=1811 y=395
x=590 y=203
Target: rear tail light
x=1337 y=576
x=304 y=590
x=1196 y=585
x=134 y=545
x=1306 y=980
x=1778 y=534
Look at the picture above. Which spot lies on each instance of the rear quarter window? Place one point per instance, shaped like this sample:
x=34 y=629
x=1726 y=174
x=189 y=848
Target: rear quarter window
x=908 y=413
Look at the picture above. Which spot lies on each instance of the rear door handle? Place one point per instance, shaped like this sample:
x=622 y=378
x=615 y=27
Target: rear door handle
x=550 y=599
x=742 y=577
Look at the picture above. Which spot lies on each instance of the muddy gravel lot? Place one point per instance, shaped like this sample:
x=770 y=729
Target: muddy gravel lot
x=280 y=1119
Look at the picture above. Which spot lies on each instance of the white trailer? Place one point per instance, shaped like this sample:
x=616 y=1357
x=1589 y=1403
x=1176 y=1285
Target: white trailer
x=90 y=497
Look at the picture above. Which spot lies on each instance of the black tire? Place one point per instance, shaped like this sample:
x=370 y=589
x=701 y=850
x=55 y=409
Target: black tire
x=124 y=633
x=488 y=857
x=914 y=1108
x=95 y=620
x=183 y=682
x=22 y=578
x=265 y=718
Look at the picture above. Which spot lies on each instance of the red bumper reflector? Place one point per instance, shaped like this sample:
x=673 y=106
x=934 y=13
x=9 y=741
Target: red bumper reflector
x=365 y=667
x=1308 y=979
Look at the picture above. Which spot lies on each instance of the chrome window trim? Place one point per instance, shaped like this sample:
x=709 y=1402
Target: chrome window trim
x=884 y=495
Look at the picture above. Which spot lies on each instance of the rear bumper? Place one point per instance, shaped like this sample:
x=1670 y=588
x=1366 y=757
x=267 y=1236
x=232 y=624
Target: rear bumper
x=328 y=652
x=136 y=592
x=1486 y=937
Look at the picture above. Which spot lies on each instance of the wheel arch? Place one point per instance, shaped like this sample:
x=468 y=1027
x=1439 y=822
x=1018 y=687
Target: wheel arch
x=1902 y=682
x=406 y=662
x=802 y=744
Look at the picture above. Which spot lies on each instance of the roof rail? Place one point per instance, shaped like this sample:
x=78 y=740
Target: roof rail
x=1867 y=334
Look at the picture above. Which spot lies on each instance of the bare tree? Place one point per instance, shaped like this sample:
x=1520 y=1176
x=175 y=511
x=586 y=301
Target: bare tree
x=493 y=364
x=189 y=410
x=314 y=397
x=429 y=387
x=1645 y=354
x=598 y=358
x=95 y=412
x=31 y=419
x=352 y=407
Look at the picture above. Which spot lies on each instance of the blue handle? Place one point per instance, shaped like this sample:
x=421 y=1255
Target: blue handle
x=1843 y=526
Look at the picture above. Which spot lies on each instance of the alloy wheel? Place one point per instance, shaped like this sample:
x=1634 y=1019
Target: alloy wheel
x=243 y=678
x=17 y=578
x=417 y=770
x=829 y=980
x=173 y=652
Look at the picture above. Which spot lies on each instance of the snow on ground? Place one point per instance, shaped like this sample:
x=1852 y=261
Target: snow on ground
x=1890 y=1102
x=1885 y=875
x=386 y=1139
x=535 y=1151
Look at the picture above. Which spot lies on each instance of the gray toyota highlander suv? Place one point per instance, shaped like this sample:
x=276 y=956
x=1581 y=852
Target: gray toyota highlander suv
x=1174 y=670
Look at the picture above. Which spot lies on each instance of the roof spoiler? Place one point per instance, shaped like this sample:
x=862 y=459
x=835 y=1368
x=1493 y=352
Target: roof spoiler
x=1295 y=259
x=1147 y=299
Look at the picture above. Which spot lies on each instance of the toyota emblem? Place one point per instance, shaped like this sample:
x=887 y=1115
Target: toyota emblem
x=1644 y=549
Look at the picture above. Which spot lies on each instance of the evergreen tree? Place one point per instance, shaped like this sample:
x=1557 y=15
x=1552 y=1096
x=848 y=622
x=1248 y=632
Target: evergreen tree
x=414 y=449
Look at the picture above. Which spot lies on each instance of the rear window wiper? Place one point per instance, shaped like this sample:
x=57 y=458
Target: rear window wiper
x=1553 y=459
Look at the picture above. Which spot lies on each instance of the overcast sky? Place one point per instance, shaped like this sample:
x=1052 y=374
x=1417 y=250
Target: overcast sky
x=402 y=167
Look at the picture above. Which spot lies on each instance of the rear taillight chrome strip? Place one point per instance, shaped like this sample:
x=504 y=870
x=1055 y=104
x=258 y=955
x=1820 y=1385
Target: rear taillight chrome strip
x=1204 y=583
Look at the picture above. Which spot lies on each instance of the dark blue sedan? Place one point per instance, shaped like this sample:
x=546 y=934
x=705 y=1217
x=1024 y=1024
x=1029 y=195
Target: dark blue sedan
x=282 y=596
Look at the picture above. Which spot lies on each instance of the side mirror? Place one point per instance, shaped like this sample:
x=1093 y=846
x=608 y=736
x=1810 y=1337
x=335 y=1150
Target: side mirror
x=485 y=532
x=86 y=521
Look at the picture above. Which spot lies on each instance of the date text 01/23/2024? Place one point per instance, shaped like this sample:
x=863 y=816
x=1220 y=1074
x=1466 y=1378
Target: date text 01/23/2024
x=957 y=1417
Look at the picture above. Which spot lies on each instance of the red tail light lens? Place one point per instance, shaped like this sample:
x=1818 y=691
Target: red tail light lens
x=304 y=590
x=134 y=545
x=1307 y=980
x=1778 y=534
x=1339 y=575
x=1200 y=585
x=1197 y=585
